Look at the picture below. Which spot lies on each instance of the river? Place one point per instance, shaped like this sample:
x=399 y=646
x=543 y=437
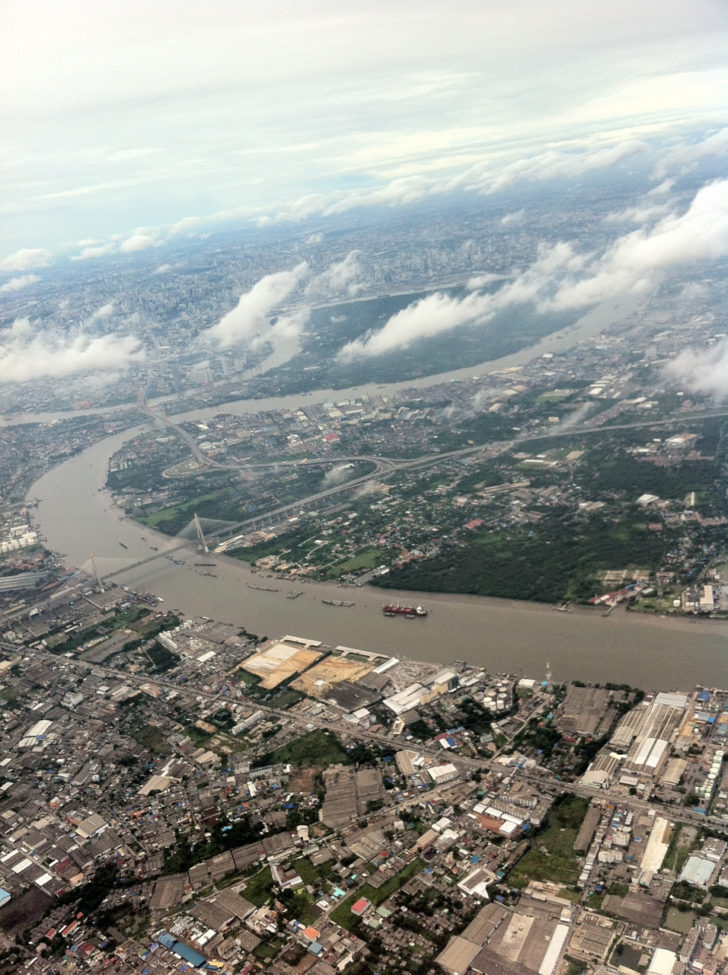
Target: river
x=77 y=516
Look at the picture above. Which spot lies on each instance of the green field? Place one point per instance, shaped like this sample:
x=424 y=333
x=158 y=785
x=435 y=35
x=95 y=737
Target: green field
x=173 y=512
x=310 y=874
x=552 y=855
x=152 y=738
x=250 y=680
x=285 y=699
x=682 y=841
x=369 y=558
x=317 y=749
x=680 y=921
x=258 y=889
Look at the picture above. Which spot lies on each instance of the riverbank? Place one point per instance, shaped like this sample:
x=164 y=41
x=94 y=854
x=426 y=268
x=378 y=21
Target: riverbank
x=77 y=516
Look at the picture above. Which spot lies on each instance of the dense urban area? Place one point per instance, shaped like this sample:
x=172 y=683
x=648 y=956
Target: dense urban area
x=178 y=793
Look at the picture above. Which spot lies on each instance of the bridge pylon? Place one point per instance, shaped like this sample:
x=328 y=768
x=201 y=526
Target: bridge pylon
x=202 y=541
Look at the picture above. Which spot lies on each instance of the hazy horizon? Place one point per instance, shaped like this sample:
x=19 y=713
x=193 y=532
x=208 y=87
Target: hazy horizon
x=128 y=124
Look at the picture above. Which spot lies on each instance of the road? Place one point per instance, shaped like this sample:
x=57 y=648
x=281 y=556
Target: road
x=383 y=467
x=541 y=779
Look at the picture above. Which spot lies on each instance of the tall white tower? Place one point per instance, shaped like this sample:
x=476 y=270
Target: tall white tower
x=200 y=537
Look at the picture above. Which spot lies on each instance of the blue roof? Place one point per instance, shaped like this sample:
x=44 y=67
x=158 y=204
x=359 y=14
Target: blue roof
x=189 y=954
x=181 y=949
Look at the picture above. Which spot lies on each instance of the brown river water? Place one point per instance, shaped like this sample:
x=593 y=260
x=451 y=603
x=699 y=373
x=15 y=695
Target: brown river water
x=77 y=516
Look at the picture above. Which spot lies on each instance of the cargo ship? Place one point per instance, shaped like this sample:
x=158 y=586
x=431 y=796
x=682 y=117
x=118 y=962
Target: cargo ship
x=410 y=612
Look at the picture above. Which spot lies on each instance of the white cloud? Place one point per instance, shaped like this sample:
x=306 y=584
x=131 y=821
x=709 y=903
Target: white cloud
x=684 y=156
x=440 y=313
x=397 y=192
x=102 y=121
x=639 y=214
x=551 y=164
x=17 y=284
x=562 y=279
x=483 y=177
x=340 y=278
x=513 y=218
x=635 y=262
x=249 y=317
x=187 y=224
x=702 y=370
x=663 y=188
x=424 y=318
x=481 y=280
x=137 y=242
x=105 y=311
x=27 y=354
x=288 y=328
x=25 y=258
x=20 y=330
x=694 y=291
x=92 y=251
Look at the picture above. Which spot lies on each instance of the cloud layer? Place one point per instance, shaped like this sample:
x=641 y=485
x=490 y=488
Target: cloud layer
x=25 y=258
x=342 y=278
x=17 y=284
x=27 y=353
x=343 y=104
x=250 y=322
x=702 y=370
x=249 y=317
x=562 y=279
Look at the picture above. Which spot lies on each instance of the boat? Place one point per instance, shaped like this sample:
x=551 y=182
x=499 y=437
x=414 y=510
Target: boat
x=409 y=612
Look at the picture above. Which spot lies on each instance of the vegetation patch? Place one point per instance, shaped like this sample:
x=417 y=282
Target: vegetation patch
x=318 y=748
x=161 y=658
x=152 y=738
x=258 y=890
x=267 y=950
x=558 y=558
x=342 y=915
x=552 y=856
x=682 y=840
x=677 y=920
x=285 y=699
x=368 y=558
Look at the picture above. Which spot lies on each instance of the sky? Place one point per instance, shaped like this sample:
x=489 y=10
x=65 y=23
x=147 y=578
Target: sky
x=124 y=124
